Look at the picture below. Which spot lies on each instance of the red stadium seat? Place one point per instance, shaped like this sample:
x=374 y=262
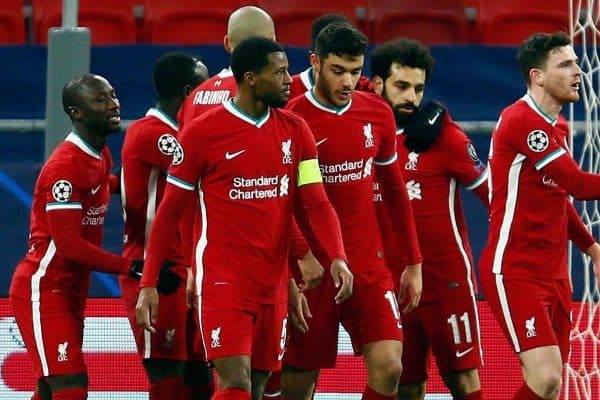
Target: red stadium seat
x=110 y=21
x=12 y=22
x=509 y=22
x=294 y=18
x=188 y=22
x=430 y=21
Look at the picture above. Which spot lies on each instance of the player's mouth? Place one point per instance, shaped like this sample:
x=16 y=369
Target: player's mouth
x=115 y=118
x=345 y=95
x=575 y=86
x=286 y=91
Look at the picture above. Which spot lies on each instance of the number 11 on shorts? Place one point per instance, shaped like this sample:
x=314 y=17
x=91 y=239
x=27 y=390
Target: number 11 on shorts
x=453 y=321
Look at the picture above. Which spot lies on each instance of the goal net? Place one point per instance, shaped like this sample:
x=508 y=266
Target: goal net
x=582 y=375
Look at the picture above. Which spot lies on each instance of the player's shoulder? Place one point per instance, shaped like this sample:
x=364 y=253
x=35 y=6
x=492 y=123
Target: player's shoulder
x=522 y=116
x=450 y=130
x=297 y=102
x=215 y=116
x=370 y=103
x=289 y=117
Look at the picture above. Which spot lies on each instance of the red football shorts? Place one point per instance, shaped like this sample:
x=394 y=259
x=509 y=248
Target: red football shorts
x=52 y=330
x=255 y=330
x=450 y=329
x=532 y=312
x=170 y=339
x=370 y=315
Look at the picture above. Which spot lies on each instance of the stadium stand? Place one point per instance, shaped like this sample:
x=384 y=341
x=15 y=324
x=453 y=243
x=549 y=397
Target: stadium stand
x=432 y=21
x=12 y=22
x=111 y=21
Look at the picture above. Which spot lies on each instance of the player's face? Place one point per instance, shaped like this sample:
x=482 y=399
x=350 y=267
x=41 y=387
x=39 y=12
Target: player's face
x=561 y=75
x=273 y=82
x=99 y=109
x=336 y=77
x=404 y=90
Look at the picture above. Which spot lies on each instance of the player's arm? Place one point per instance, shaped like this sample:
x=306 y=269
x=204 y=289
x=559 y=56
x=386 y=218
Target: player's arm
x=583 y=239
x=307 y=268
x=64 y=223
x=321 y=215
x=179 y=192
x=395 y=199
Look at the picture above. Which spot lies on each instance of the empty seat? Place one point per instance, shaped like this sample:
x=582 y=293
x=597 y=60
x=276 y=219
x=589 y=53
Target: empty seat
x=430 y=22
x=187 y=22
x=110 y=21
x=12 y=22
x=294 y=18
x=509 y=22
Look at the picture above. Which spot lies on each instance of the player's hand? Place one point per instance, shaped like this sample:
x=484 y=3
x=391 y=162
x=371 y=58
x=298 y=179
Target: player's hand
x=342 y=278
x=411 y=286
x=136 y=268
x=190 y=290
x=146 y=309
x=312 y=271
x=424 y=127
x=168 y=281
x=594 y=252
x=298 y=309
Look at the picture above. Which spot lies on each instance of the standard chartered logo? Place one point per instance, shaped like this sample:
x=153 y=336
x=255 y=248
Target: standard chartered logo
x=347 y=171
x=262 y=187
x=284 y=185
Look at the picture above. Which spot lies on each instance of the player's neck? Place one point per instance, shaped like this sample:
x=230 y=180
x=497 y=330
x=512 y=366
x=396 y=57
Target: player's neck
x=97 y=141
x=251 y=106
x=169 y=107
x=546 y=103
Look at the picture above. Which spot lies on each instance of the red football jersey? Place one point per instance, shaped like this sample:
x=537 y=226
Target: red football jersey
x=432 y=181
x=528 y=219
x=302 y=83
x=245 y=216
x=209 y=94
x=147 y=152
x=350 y=140
x=75 y=178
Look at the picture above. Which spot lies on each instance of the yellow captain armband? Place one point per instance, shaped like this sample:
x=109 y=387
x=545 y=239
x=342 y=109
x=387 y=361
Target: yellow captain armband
x=308 y=172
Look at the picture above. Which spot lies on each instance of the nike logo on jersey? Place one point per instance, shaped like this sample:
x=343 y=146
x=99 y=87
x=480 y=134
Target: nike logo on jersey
x=460 y=354
x=231 y=156
x=320 y=142
x=432 y=120
x=95 y=190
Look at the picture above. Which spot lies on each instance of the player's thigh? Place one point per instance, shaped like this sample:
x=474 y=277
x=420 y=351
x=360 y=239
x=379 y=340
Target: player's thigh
x=269 y=337
x=560 y=315
x=452 y=327
x=371 y=315
x=322 y=335
x=415 y=349
x=521 y=307
x=52 y=333
x=226 y=329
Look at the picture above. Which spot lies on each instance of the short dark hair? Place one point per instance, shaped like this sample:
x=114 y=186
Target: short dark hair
x=252 y=54
x=321 y=22
x=172 y=72
x=406 y=52
x=534 y=51
x=71 y=92
x=340 y=39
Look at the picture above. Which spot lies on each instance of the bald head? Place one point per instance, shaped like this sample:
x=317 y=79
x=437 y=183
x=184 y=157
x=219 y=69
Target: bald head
x=246 y=22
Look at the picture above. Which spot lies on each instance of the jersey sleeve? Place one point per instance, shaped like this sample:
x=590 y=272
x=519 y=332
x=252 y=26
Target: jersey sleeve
x=308 y=167
x=462 y=160
x=64 y=212
x=536 y=142
x=386 y=153
x=156 y=146
x=187 y=163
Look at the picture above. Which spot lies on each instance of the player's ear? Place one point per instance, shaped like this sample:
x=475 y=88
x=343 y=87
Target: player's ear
x=227 y=44
x=75 y=113
x=187 y=89
x=536 y=76
x=377 y=84
x=250 y=77
x=315 y=62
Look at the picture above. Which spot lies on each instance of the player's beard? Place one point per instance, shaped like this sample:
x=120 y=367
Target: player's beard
x=272 y=100
x=402 y=118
